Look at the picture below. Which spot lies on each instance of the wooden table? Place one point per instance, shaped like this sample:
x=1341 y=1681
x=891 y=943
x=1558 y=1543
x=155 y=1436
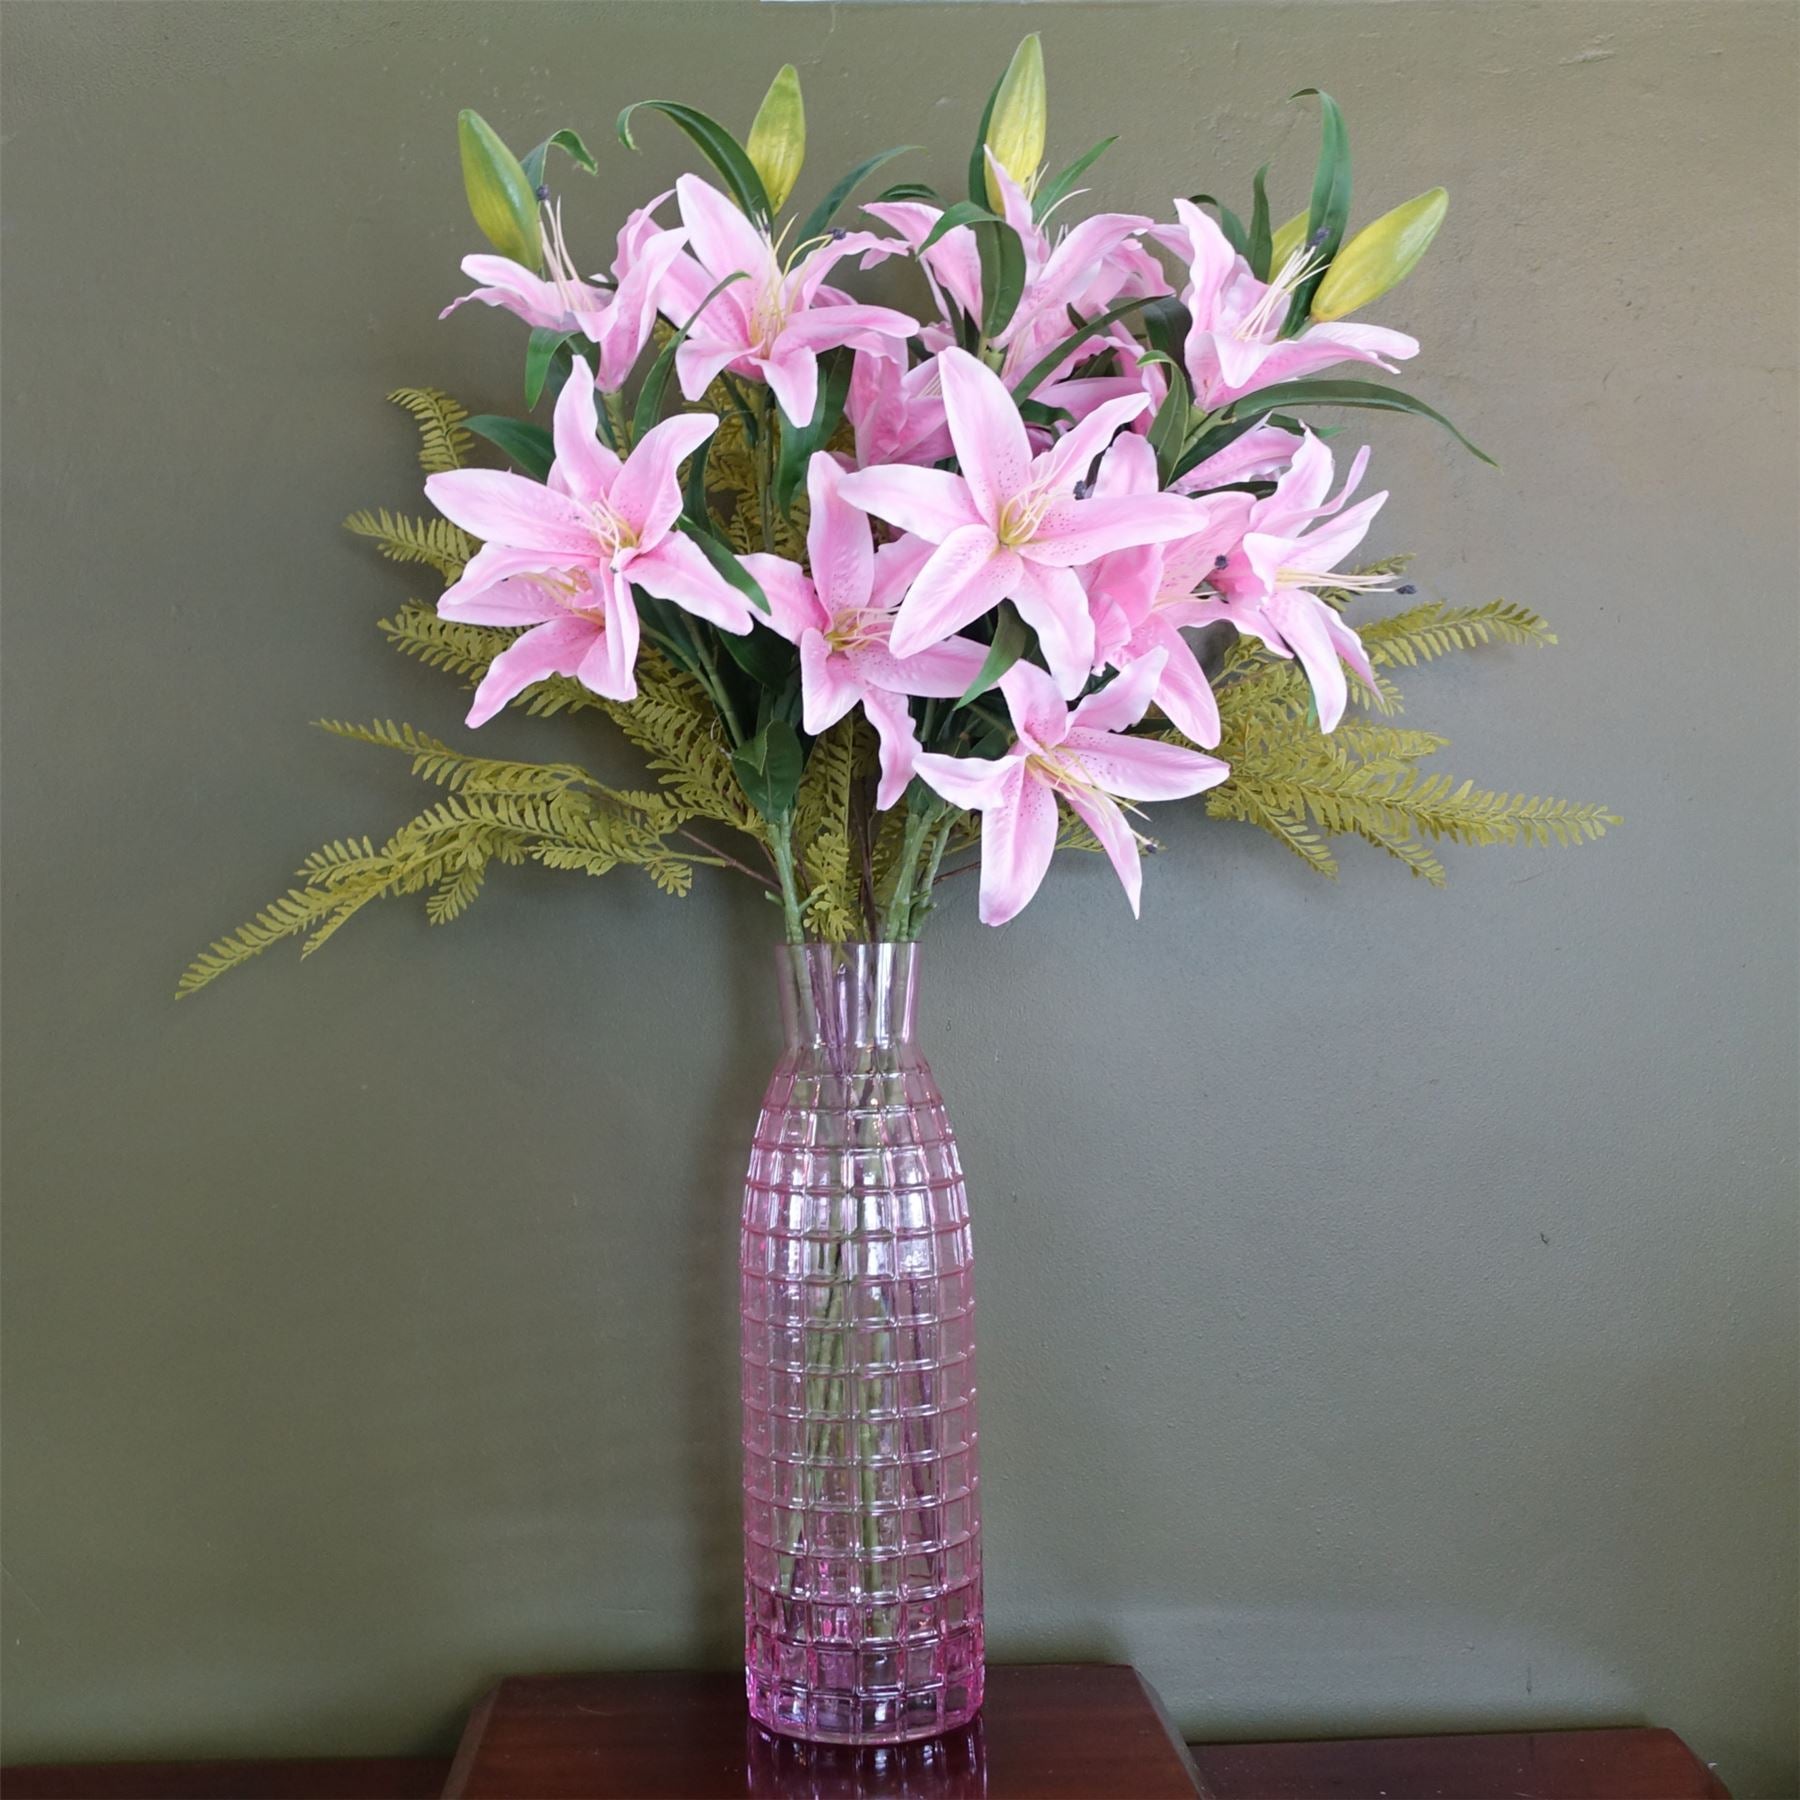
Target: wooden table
x=1047 y=1732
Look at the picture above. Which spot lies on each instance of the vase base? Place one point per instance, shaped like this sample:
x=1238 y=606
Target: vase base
x=824 y=1716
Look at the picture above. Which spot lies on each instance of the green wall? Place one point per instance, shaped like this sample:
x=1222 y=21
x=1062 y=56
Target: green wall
x=1388 y=1297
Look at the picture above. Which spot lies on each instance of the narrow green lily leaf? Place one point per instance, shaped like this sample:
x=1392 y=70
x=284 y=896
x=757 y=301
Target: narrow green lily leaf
x=566 y=140
x=724 y=559
x=1329 y=213
x=798 y=442
x=693 y=488
x=1368 y=395
x=768 y=769
x=1261 y=238
x=910 y=190
x=1229 y=223
x=1013 y=638
x=1054 y=192
x=818 y=221
x=964 y=212
x=1002 y=275
x=540 y=347
x=1167 y=324
x=721 y=149
x=528 y=445
x=764 y=655
x=978 y=189
x=1023 y=387
x=650 y=395
x=1169 y=429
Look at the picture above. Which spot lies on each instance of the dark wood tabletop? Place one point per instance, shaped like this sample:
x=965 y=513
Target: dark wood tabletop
x=1047 y=1732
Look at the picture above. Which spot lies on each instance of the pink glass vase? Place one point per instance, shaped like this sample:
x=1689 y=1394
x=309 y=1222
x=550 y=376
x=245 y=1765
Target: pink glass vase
x=862 y=1517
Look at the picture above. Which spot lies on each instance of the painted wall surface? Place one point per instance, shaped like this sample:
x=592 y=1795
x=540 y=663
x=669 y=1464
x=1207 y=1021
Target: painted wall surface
x=1388 y=1297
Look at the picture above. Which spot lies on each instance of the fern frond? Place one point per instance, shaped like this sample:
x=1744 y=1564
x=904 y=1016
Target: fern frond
x=674 y=724
x=437 y=762
x=837 y=760
x=1433 y=629
x=1246 y=800
x=435 y=542
x=464 y=650
x=443 y=443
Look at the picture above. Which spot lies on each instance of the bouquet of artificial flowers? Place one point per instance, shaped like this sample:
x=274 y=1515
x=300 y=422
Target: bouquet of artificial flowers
x=890 y=592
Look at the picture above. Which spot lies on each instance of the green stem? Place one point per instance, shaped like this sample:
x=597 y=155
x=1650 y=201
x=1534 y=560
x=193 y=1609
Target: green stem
x=781 y=848
x=920 y=905
x=715 y=686
x=765 y=470
x=896 y=923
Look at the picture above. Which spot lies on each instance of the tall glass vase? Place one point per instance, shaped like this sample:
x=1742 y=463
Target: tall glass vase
x=862 y=1518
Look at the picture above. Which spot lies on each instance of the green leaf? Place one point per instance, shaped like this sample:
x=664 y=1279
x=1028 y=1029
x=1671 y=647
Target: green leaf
x=1167 y=324
x=768 y=769
x=1002 y=275
x=910 y=190
x=978 y=157
x=721 y=149
x=540 y=347
x=1229 y=223
x=1023 y=387
x=528 y=445
x=650 y=395
x=562 y=140
x=1012 y=639
x=818 y=221
x=1329 y=214
x=1260 y=235
x=1052 y=192
x=724 y=559
x=1169 y=428
x=798 y=442
x=1368 y=395
x=693 y=489
x=766 y=657
x=963 y=212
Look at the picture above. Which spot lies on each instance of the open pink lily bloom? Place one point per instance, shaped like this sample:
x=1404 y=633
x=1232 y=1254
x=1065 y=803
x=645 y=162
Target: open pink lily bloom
x=1081 y=757
x=616 y=318
x=1263 y=585
x=772 y=325
x=561 y=558
x=1144 y=598
x=1012 y=525
x=1235 y=345
x=841 y=617
x=896 y=413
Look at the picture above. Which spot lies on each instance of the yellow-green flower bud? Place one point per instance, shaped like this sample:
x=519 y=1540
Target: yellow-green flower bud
x=777 y=145
x=1016 y=126
x=1285 y=242
x=500 y=196
x=1380 y=256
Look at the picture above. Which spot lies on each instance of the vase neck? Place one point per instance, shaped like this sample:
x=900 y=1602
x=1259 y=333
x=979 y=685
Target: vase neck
x=847 y=996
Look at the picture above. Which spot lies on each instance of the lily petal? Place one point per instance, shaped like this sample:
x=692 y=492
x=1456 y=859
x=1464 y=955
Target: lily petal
x=931 y=503
x=677 y=570
x=968 y=573
x=647 y=493
x=556 y=648
x=991 y=446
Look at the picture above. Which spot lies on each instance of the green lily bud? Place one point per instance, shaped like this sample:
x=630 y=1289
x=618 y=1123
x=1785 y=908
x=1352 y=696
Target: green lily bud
x=1285 y=242
x=1016 y=125
x=777 y=144
x=500 y=193
x=1380 y=256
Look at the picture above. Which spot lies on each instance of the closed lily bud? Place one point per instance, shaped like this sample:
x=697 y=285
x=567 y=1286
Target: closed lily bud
x=777 y=145
x=1380 y=256
x=499 y=193
x=1286 y=241
x=1016 y=126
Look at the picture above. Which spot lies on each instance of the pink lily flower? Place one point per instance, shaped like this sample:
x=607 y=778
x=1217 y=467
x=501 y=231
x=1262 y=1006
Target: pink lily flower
x=1012 y=525
x=1235 y=344
x=1264 y=584
x=952 y=265
x=1144 y=598
x=771 y=326
x=896 y=413
x=616 y=318
x=1260 y=452
x=561 y=558
x=1081 y=757
x=842 y=617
